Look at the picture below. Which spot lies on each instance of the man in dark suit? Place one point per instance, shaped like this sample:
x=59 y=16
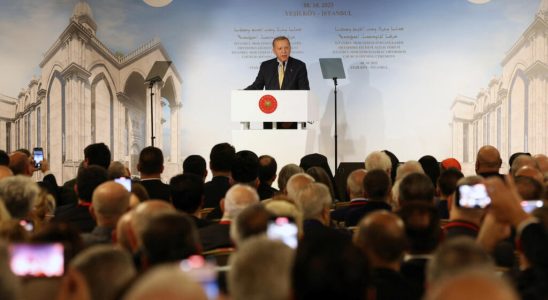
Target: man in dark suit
x=281 y=73
x=79 y=213
x=220 y=164
x=381 y=237
x=291 y=71
x=151 y=167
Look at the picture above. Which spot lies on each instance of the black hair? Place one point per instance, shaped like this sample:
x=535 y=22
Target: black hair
x=151 y=160
x=88 y=179
x=187 y=191
x=221 y=157
x=97 y=154
x=194 y=164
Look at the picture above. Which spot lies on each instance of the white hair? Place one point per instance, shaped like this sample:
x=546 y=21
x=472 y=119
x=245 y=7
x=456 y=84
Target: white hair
x=409 y=167
x=237 y=198
x=355 y=187
x=313 y=199
x=19 y=194
x=167 y=281
x=378 y=160
x=296 y=183
x=261 y=270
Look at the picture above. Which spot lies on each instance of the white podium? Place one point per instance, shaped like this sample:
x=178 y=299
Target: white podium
x=285 y=145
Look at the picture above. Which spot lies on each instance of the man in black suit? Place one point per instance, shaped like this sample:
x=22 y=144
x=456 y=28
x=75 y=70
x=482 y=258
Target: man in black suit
x=151 y=167
x=381 y=237
x=79 y=213
x=220 y=164
x=294 y=72
x=281 y=73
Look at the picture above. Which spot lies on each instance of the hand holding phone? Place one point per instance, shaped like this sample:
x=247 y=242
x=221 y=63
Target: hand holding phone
x=38 y=156
x=472 y=196
x=284 y=229
x=126 y=182
x=204 y=272
x=37 y=260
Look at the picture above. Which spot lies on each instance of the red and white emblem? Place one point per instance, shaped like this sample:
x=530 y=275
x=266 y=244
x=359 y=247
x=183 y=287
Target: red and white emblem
x=268 y=104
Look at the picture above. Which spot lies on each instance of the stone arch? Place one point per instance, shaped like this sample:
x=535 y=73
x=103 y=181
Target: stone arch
x=518 y=114
x=102 y=112
x=55 y=122
x=135 y=103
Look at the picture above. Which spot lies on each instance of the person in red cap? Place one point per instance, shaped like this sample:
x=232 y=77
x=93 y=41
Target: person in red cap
x=450 y=163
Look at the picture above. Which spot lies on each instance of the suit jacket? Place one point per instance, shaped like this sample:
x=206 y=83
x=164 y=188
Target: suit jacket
x=390 y=284
x=265 y=191
x=215 y=236
x=339 y=214
x=355 y=214
x=534 y=242
x=156 y=189
x=214 y=191
x=295 y=77
x=77 y=215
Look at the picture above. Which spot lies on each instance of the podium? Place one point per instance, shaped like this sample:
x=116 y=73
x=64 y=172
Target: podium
x=252 y=108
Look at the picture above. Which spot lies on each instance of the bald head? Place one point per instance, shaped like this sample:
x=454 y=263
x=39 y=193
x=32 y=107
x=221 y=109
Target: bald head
x=296 y=183
x=530 y=172
x=354 y=183
x=237 y=198
x=110 y=201
x=476 y=285
x=542 y=162
x=488 y=160
x=381 y=235
x=5 y=172
x=20 y=164
x=124 y=236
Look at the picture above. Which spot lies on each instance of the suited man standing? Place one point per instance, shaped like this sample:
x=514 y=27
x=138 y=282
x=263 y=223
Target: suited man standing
x=151 y=167
x=281 y=73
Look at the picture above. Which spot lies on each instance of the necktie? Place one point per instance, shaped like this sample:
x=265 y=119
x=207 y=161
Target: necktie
x=281 y=74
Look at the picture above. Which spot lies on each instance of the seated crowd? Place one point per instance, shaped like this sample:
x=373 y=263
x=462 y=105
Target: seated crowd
x=394 y=231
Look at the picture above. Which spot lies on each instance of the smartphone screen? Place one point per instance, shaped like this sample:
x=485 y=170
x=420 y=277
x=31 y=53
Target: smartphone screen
x=530 y=205
x=37 y=260
x=284 y=229
x=38 y=155
x=204 y=272
x=472 y=196
x=126 y=182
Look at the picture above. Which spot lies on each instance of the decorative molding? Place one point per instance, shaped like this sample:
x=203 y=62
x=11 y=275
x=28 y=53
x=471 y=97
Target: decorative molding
x=75 y=69
x=537 y=68
x=538 y=25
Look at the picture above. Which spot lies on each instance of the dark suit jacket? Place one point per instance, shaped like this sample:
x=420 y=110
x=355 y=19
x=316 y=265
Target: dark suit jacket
x=340 y=213
x=532 y=282
x=156 y=189
x=77 y=215
x=355 y=214
x=265 y=191
x=295 y=77
x=214 y=191
x=215 y=236
x=390 y=285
